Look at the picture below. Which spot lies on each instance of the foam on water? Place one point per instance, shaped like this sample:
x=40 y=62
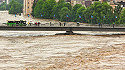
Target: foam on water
x=44 y=33
x=24 y=33
x=100 y=33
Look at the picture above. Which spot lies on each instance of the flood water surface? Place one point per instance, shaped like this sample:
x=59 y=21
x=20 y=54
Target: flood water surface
x=43 y=50
x=40 y=50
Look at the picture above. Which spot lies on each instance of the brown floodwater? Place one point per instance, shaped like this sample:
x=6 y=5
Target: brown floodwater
x=28 y=50
x=37 y=50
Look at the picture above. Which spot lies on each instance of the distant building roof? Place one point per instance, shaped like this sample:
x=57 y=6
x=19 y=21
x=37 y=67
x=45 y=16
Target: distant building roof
x=2 y=0
x=119 y=0
x=122 y=3
x=88 y=3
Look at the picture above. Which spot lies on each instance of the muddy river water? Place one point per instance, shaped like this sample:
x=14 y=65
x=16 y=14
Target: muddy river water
x=37 y=50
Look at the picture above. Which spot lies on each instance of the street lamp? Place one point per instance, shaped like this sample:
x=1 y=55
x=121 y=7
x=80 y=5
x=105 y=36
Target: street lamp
x=54 y=15
x=67 y=17
x=28 y=15
x=91 y=18
x=79 y=16
x=15 y=15
x=41 y=15
x=103 y=19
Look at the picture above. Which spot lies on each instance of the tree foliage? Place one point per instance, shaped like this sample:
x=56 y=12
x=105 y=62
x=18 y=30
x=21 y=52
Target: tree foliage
x=74 y=11
x=33 y=7
x=38 y=9
x=19 y=1
x=68 y=5
x=80 y=14
x=4 y=6
x=15 y=7
x=64 y=14
x=56 y=9
x=118 y=10
x=47 y=8
x=96 y=13
x=122 y=17
x=100 y=12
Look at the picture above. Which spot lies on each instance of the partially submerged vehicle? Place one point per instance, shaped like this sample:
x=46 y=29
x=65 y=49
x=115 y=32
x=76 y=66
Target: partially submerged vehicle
x=16 y=23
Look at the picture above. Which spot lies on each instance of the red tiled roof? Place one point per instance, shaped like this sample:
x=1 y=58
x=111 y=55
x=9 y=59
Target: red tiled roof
x=119 y=0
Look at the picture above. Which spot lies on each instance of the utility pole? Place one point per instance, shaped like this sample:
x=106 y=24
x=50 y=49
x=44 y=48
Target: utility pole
x=7 y=1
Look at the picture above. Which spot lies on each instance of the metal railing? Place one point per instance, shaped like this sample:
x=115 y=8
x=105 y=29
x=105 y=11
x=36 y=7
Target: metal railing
x=73 y=25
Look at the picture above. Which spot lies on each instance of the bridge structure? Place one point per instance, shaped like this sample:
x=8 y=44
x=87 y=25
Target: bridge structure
x=69 y=30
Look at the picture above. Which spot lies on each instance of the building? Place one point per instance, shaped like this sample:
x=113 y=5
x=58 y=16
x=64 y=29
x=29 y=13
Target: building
x=122 y=4
x=7 y=1
x=1 y=1
x=27 y=8
x=114 y=3
x=84 y=2
x=119 y=0
x=88 y=3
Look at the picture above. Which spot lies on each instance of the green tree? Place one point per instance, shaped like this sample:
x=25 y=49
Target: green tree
x=12 y=10
x=33 y=7
x=38 y=10
x=94 y=10
x=3 y=6
x=56 y=9
x=76 y=7
x=15 y=7
x=101 y=12
x=80 y=12
x=61 y=2
x=74 y=11
x=19 y=1
x=68 y=5
x=63 y=14
x=117 y=13
x=118 y=10
x=107 y=12
x=47 y=8
x=122 y=17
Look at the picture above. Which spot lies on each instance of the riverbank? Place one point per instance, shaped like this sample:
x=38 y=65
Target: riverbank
x=5 y=16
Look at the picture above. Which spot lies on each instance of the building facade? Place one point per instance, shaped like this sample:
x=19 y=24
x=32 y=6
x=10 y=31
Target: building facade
x=114 y=3
x=84 y=2
x=7 y=1
x=1 y=1
x=27 y=8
